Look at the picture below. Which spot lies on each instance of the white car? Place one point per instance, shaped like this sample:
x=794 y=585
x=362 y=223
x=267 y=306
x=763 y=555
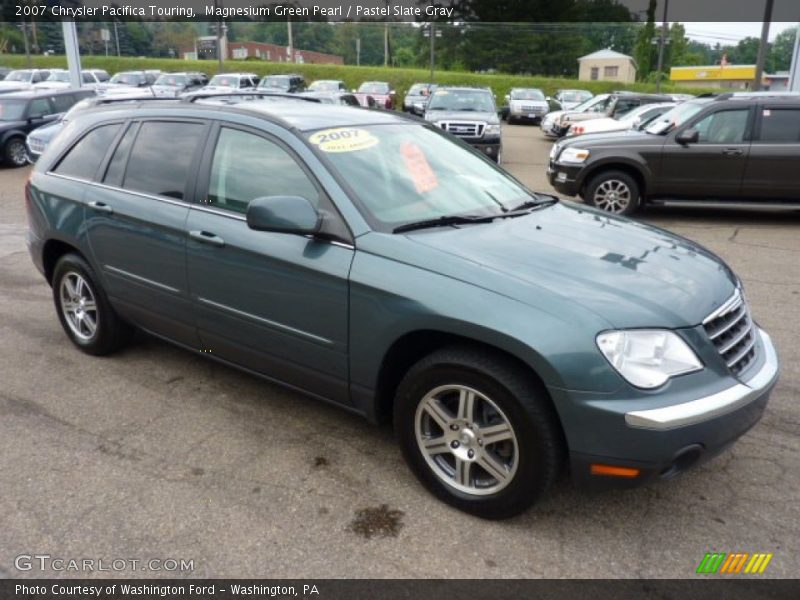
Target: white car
x=594 y=104
x=526 y=104
x=231 y=82
x=630 y=120
x=59 y=79
x=23 y=79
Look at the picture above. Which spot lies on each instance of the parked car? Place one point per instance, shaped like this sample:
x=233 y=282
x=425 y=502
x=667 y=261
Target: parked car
x=22 y=79
x=127 y=82
x=595 y=104
x=59 y=79
x=470 y=114
x=231 y=81
x=417 y=97
x=732 y=149
x=23 y=111
x=172 y=85
x=526 y=104
x=342 y=98
x=505 y=333
x=569 y=99
x=38 y=139
x=290 y=84
x=3 y=72
x=635 y=119
x=380 y=91
x=615 y=105
x=327 y=85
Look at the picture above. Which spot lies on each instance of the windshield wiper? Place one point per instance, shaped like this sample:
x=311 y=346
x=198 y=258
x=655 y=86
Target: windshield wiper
x=531 y=204
x=444 y=221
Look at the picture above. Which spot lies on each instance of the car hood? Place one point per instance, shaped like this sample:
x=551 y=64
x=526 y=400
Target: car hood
x=461 y=115
x=569 y=256
x=10 y=86
x=45 y=133
x=618 y=139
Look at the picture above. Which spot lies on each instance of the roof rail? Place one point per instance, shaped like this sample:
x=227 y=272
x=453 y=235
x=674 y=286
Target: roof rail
x=123 y=98
x=193 y=96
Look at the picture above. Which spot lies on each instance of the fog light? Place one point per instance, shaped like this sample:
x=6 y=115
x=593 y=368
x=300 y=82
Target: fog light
x=561 y=177
x=489 y=150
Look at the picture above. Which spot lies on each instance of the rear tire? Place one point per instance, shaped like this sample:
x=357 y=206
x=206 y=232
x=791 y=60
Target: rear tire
x=614 y=192
x=478 y=432
x=84 y=310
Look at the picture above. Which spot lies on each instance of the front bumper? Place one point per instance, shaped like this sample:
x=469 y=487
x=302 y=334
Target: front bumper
x=565 y=178
x=490 y=147
x=657 y=443
x=536 y=118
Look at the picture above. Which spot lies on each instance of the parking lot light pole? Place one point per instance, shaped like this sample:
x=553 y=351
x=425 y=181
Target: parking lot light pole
x=661 y=43
x=763 y=46
x=72 y=50
x=794 y=70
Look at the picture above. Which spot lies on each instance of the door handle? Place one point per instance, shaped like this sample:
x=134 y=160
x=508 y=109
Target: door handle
x=732 y=152
x=207 y=238
x=101 y=207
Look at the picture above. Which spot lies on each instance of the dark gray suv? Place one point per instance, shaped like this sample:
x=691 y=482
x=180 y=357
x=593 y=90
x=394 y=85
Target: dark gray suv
x=369 y=259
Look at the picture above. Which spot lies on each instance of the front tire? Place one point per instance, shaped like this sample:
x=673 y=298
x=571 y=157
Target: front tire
x=84 y=310
x=615 y=192
x=14 y=152
x=478 y=432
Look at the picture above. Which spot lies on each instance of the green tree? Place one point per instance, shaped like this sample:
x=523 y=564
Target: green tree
x=645 y=52
x=780 y=54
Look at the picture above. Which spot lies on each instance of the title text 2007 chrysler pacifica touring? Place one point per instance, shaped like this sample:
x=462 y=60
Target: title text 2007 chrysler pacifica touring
x=378 y=263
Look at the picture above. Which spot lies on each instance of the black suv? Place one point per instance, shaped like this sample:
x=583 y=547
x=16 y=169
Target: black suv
x=736 y=148
x=22 y=112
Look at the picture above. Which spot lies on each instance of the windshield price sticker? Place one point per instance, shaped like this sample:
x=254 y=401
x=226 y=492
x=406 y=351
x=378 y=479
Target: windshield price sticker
x=419 y=168
x=343 y=139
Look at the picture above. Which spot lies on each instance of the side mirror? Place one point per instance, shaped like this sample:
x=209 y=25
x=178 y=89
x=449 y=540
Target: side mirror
x=688 y=136
x=283 y=214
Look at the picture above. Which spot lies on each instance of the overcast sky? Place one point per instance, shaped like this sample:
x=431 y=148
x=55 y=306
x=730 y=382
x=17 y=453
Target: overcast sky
x=730 y=33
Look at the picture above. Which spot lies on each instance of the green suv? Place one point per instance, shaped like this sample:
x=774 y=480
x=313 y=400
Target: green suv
x=370 y=260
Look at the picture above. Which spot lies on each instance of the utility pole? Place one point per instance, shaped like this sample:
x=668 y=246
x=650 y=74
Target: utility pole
x=661 y=43
x=358 y=51
x=386 y=37
x=291 y=41
x=24 y=27
x=116 y=37
x=433 y=45
x=219 y=39
x=763 y=46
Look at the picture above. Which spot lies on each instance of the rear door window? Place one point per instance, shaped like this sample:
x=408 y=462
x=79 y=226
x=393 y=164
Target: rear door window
x=39 y=107
x=62 y=102
x=162 y=156
x=780 y=125
x=85 y=157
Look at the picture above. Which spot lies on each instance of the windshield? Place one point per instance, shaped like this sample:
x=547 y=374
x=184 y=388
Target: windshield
x=224 y=81
x=602 y=98
x=406 y=173
x=127 y=78
x=18 y=76
x=417 y=89
x=531 y=94
x=11 y=110
x=324 y=86
x=373 y=87
x=281 y=83
x=59 y=76
x=575 y=96
x=675 y=117
x=172 y=80
x=469 y=100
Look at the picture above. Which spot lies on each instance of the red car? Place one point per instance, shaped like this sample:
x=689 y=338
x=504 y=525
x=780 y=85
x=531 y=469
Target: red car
x=379 y=91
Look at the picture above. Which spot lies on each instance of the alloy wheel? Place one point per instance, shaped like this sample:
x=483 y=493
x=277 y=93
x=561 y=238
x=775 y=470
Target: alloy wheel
x=16 y=152
x=79 y=306
x=612 y=195
x=466 y=439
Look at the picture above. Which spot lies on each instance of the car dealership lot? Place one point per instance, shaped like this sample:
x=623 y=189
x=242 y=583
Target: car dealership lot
x=157 y=453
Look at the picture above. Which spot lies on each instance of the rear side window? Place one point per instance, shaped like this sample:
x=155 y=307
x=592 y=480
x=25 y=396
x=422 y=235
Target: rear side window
x=39 y=108
x=780 y=125
x=161 y=158
x=63 y=102
x=85 y=157
x=116 y=167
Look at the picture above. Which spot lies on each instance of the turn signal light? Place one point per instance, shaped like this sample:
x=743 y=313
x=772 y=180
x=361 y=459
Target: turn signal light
x=612 y=471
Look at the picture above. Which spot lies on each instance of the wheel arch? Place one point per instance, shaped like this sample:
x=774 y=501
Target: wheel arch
x=413 y=346
x=52 y=251
x=629 y=168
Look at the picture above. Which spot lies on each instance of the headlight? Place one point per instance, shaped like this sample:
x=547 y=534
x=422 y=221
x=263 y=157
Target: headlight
x=492 y=130
x=573 y=155
x=647 y=358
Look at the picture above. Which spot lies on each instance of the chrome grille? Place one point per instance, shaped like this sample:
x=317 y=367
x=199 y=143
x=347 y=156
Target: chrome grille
x=731 y=330
x=470 y=129
x=532 y=109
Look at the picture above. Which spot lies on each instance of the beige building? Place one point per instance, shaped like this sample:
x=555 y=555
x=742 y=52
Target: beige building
x=607 y=65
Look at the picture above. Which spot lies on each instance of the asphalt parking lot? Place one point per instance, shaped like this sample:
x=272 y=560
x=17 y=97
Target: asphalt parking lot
x=159 y=453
